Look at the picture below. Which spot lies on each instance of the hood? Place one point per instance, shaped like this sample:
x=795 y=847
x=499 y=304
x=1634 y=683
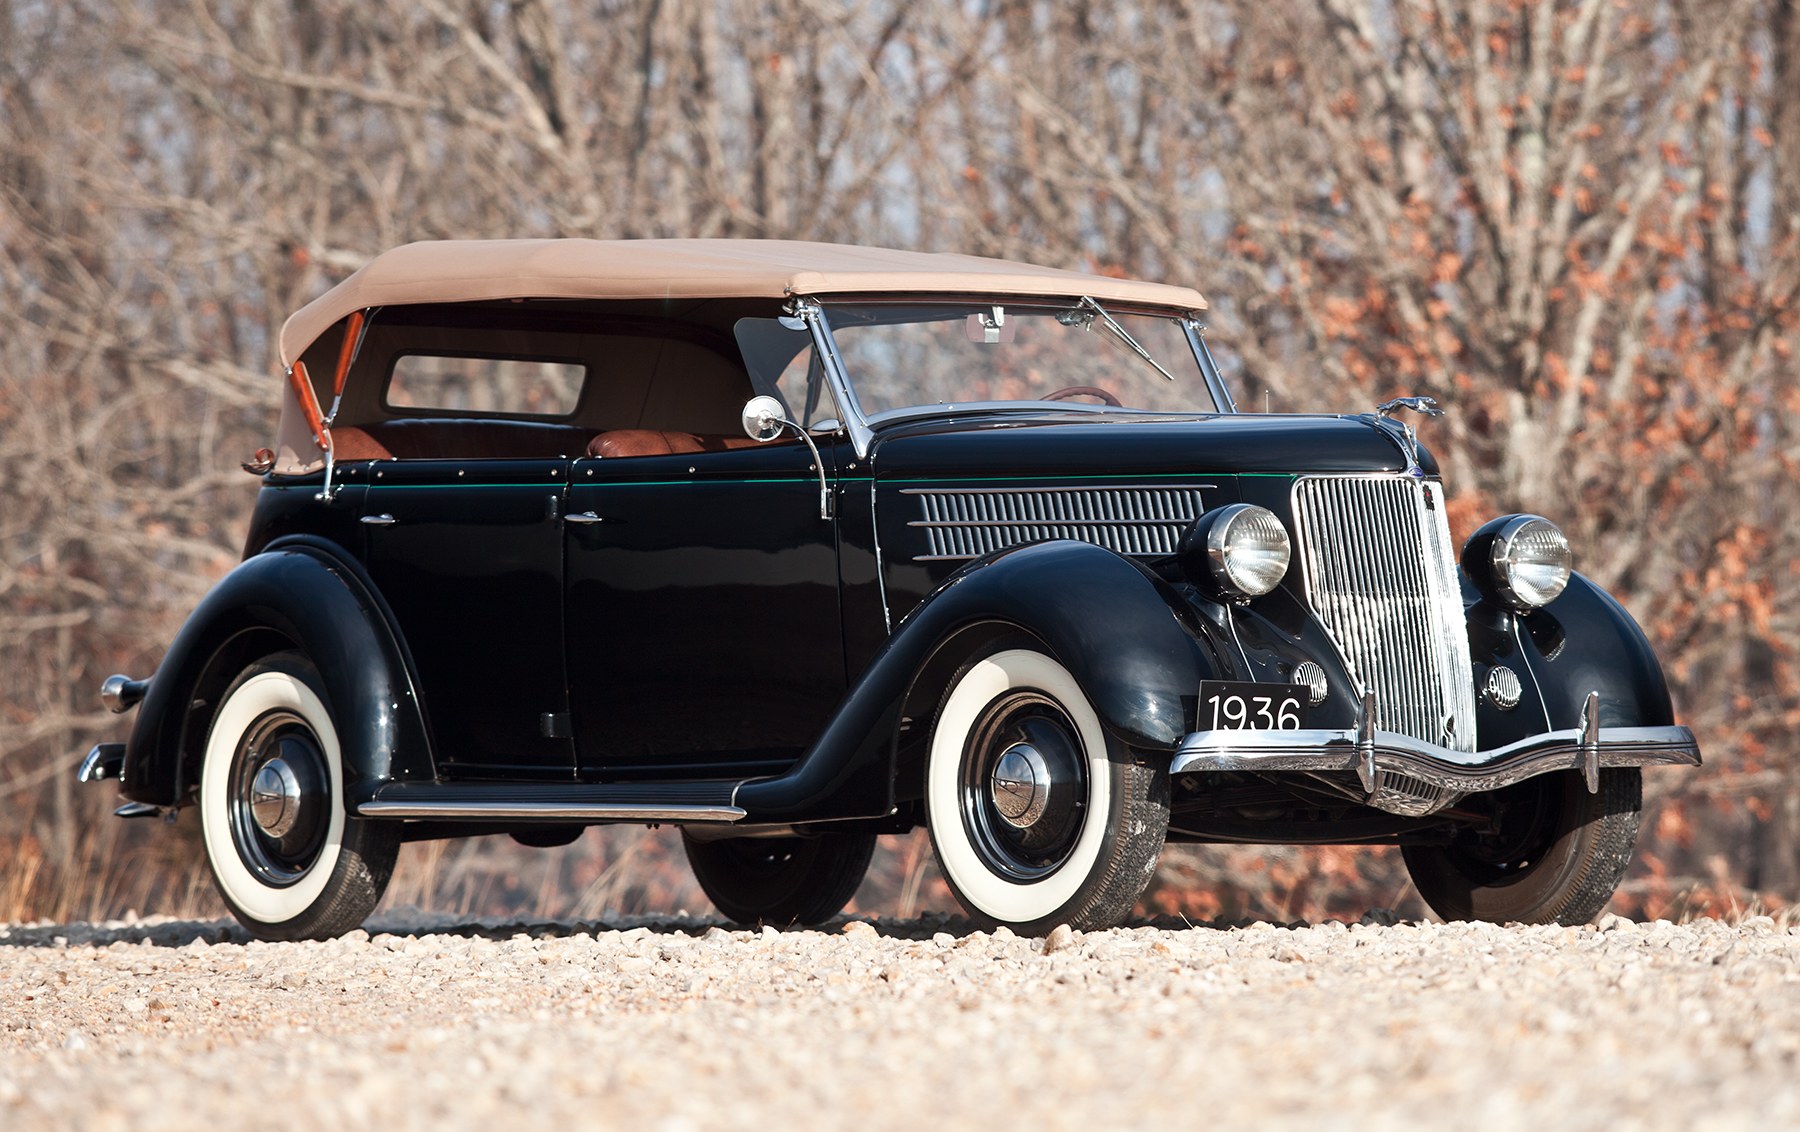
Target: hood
x=1053 y=444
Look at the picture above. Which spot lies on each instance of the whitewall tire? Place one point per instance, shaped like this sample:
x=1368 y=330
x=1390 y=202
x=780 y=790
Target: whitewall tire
x=1037 y=816
x=287 y=859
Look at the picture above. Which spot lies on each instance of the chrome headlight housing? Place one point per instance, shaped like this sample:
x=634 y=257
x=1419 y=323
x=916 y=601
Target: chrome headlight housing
x=1524 y=561
x=1244 y=548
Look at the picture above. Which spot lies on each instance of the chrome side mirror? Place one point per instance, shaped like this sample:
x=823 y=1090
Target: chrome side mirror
x=763 y=419
x=763 y=422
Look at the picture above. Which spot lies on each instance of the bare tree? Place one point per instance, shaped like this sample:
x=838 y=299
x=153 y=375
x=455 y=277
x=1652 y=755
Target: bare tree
x=1577 y=223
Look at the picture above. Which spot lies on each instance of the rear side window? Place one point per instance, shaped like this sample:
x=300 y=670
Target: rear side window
x=527 y=387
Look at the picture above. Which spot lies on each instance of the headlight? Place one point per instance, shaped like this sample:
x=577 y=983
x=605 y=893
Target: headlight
x=1246 y=549
x=1523 y=559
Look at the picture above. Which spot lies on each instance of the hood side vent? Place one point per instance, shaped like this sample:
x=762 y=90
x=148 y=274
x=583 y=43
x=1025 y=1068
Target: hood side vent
x=1143 y=521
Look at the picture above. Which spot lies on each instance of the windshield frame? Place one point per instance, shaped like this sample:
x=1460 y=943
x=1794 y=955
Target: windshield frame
x=862 y=425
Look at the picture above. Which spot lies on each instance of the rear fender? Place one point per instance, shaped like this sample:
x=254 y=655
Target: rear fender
x=301 y=596
x=1135 y=647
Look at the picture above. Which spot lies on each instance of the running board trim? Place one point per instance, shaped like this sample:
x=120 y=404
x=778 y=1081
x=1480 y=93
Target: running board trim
x=551 y=811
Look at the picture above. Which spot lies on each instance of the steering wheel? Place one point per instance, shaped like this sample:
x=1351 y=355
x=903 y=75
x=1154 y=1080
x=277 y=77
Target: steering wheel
x=1083 y=391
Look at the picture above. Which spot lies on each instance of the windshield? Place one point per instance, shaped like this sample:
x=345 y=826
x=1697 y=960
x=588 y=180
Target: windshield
x=906 y=356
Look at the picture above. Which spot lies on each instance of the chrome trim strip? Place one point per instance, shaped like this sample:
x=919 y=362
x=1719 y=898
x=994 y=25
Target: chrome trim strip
x=862 y=437
x=887 y=613
x=1360 y=752
x=586 y=811
x=1209 y=369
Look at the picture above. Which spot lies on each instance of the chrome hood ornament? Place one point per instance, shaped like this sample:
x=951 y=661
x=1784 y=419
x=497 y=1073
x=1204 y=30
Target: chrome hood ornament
x=1407 y=440
x=1426 y=405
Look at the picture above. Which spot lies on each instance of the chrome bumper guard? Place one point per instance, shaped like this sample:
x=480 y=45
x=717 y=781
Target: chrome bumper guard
x=103 y=761
x=1404 y=775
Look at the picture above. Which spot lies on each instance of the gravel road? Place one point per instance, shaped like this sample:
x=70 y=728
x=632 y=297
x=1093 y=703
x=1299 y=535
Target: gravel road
x=681 y=1024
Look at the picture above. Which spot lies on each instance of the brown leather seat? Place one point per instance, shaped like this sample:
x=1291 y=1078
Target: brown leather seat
x=453 y=438
x=658 y=442
x=352 y=443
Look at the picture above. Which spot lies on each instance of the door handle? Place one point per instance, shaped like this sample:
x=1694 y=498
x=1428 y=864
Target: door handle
x=584 y=518
x=378 y=520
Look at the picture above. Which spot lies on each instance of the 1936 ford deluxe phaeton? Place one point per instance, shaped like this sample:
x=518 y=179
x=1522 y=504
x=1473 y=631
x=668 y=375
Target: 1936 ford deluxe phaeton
x=791 y=545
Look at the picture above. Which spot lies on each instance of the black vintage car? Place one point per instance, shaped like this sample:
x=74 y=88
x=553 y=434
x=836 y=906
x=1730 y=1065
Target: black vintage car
x=791 y=545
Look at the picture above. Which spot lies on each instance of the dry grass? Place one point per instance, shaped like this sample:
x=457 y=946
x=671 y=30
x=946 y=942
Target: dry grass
x=115 y=868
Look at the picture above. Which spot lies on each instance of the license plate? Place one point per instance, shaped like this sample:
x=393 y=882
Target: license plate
x=1241 y=705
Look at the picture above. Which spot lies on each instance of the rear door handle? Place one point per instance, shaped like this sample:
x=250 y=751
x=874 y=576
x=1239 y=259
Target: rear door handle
x=379 y=520
x=584 y=518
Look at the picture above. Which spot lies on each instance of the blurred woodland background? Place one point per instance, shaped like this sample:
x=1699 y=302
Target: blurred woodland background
x=1576 y=224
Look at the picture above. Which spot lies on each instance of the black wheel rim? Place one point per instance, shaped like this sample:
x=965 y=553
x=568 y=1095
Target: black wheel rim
x=279 y=796
x=762 y=858
x=1024 y=786
x=1526 y=823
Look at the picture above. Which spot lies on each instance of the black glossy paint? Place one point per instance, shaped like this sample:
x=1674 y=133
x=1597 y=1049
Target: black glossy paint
x=713 y=626
x=291 y=509
x=1086 y=446
x=1582 y=642
x=1127 y=637
x=702 y=612
x=472 y=568
x=298 y=596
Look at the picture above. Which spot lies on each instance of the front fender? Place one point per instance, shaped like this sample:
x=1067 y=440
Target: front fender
x=1135 y=647
x=1582 y=642
x=297 y=596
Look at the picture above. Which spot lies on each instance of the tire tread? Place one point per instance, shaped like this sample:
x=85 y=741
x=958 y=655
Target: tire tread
x=1570 y=891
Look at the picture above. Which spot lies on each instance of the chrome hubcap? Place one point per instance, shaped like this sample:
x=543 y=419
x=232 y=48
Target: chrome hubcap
x=279 y=797
x=1024 y=784
x=275 y=798
x=1021 y=786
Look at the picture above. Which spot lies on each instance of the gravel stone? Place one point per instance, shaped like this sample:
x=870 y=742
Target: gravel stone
x=437 y=1024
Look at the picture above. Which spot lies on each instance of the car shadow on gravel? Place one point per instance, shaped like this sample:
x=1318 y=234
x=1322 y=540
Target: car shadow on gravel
x=172 y=933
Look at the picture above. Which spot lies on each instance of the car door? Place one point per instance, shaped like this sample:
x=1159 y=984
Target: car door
x=703 y=611
x=468 y=555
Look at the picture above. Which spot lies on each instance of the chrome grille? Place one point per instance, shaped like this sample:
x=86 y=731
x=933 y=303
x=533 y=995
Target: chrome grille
x=964 y=523
x=1381 y=576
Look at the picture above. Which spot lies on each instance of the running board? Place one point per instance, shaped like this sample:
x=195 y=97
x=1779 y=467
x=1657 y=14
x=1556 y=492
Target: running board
x=618 y=802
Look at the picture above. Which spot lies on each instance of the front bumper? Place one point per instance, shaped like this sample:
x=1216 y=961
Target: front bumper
x=1404 y=775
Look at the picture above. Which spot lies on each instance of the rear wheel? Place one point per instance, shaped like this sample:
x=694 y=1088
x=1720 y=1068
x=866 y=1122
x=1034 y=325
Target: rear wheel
x=1038 y=817
x=1552 y=854
x=780 y=880
x=290 y=863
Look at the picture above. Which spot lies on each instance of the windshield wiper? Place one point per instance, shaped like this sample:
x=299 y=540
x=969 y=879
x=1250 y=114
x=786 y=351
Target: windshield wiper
x=1124 y=336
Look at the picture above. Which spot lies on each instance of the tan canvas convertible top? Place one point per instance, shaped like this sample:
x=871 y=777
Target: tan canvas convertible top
x=451 y=271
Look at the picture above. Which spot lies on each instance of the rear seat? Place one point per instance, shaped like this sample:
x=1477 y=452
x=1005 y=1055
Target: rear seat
x=659 y=442
x=453 y=438
x=436 y=438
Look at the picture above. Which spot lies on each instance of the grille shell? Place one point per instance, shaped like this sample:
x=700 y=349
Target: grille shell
x=1380 y=574
x=1141 y=520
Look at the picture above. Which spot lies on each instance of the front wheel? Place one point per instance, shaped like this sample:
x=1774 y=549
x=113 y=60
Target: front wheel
x=288 y=860
x=1551 y=852
x=1037 y=816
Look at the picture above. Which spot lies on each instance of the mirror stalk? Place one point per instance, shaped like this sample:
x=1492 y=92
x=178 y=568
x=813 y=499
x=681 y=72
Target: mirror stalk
x=763 y=422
